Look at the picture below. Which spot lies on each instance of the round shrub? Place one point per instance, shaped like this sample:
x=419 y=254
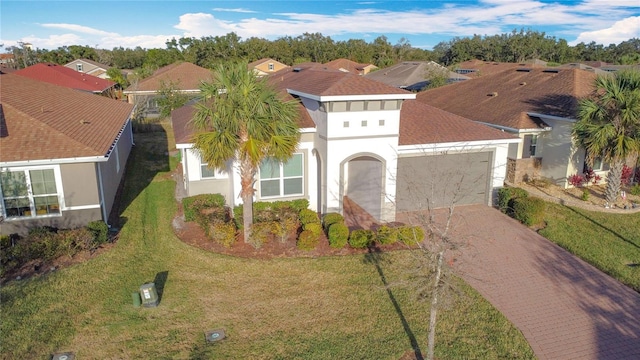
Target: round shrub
x=506 y=196
x=308 y=216
x=338 y=235
x=387 y=235
x=330 y=219
x=307 y=240
x=410 y=235
x=360 y=239
x=314 y=227
x=223 y=233
x=100 y=231
x=529 y=210
x=261 y=233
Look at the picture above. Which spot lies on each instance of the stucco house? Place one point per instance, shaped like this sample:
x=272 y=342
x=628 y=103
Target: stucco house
x=184 y=76
x=89 y=67
x=366 y=140
x=414 y=75
x=537 y=104
x=63 y=76
x=347 y=65
x=62 y=154
x=266 y=66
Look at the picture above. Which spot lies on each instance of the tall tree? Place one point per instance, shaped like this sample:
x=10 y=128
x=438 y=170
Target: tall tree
x=241 y=117
x=608 y=124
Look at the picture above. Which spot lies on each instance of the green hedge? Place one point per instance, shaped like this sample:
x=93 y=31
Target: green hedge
x=308 y=216
x=330 y=219
x=360 y=239
x=410 y=235
x=266 y=211
x=528 y=210
x=506 y=195
x=193 y=205
x=386 y=235
x=307 y=240
x=338 y=235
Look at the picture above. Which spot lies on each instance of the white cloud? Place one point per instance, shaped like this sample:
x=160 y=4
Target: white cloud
x=618 y=32
x=201 y=24
x=80 y=28
x=237 y=10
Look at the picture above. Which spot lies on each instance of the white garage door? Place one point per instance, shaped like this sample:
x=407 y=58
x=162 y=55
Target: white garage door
x=441 y=180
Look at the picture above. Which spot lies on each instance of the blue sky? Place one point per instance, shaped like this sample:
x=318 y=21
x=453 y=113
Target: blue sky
x=150 y=23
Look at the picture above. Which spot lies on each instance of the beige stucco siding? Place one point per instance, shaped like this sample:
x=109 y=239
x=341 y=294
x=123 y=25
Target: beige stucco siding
x=80 y=185
x=110 y=173
x=559 y=156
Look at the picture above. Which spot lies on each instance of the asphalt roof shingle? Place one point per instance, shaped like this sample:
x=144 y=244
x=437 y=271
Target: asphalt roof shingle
x=64 y=76
x=185 y=76
x=45 y=121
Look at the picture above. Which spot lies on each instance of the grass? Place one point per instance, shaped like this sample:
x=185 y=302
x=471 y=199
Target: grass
x=334 y=307
x=610 y=242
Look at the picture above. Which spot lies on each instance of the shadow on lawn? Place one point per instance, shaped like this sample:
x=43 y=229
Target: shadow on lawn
x=375 y=256
x=599 y=224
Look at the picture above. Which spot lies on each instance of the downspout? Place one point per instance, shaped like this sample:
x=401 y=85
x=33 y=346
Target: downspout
x=102 y=207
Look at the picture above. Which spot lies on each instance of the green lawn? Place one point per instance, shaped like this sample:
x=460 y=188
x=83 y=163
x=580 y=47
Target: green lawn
x=610 y=242
x=325 y=308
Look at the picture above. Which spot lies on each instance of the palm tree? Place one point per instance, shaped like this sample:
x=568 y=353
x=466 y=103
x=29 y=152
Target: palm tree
x=608 y=124
x=240 y=117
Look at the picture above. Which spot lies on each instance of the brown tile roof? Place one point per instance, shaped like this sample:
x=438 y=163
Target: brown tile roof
x=64 y=76
x=482 y=68
x=424 y=124
x=187 y=76
x=506 y=97
x=348 y=65
x=316 y=79
x=46 y=121
x=413 y=75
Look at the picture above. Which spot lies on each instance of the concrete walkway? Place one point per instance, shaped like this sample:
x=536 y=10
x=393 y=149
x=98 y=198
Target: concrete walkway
x=566 y=308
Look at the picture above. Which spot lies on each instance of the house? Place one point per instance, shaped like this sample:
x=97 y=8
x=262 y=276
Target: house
x=63 y=76
x=266 y=66
x=365 y=140
x=184 y=77
x=414 y=75
x=476 y=68
x=585 y=67
x=537 y=104
x=347 y=65
x=90 y=67
x=62 y=154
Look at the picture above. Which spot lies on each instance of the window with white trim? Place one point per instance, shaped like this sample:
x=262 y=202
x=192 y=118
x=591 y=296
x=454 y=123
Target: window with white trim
x=205 y=171
x=271 y=67
x=282 y=179
x=79 y=67
x=29 y=193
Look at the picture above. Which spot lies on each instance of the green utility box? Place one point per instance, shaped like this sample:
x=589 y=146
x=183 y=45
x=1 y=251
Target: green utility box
x=149 y=295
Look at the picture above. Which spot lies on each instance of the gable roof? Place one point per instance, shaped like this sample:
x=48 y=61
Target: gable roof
x=506 y=98
x=58 y=123
x=319 y=81
x=259 y=62
x=412 y=75
x=185 y=75
x=477 y=68
x=347 y=65
x=64 y=76
x=94 y=63
x=424 y=124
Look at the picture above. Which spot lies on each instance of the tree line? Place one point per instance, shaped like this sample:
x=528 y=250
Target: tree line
x=208 y=51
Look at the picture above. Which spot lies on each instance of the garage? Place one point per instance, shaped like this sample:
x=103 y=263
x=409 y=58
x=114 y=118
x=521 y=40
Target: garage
x=436 y=181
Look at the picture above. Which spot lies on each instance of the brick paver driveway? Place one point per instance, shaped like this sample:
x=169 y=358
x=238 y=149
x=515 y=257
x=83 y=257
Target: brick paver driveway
x=565 y=307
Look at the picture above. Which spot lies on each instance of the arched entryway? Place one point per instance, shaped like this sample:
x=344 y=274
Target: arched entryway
x=363 y=182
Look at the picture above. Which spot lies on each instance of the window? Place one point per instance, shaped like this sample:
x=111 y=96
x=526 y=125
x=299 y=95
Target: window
x=381 y=122
x=205 y=170
x=278 y=179
x=530 y=146
x=271 y=67
x=597 y=163
x=28 y=193
x=533 y=146
x=79 y=67
x=345 y=124
x=363 y=123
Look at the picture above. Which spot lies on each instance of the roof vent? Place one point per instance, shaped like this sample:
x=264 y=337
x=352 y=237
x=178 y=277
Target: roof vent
x=555 y=71
x=523 y=83
x=493 y=94
x=524 y=70
x=297 y=69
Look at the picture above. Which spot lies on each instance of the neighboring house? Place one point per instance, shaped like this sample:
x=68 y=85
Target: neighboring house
x=537 y=104
x=585 y=67
x=413 y=75
x=347 y=65
x=476 y=68
x=7 y=60
x=266 y=66
x=62 y=154
x=185 y=77
x=366 y=140
x=63 y=76
x=89 y=67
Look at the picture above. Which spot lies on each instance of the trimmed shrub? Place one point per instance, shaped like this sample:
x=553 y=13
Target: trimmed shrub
x=261 y=233
x=330 y=219
x=410 y=235
x=506 y=196
x=224 y=233
x=387 y=235
x=585 y=194
x=194 y=204
x=529 y=210
x=100 y=232
x=308 y=216
x=360 y=239
x=338 y=235
x=307 y=240
x=285 y=227
x=315 y=228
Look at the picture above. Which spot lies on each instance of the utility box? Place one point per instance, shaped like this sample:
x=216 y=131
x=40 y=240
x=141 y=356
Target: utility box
x=63 y=356
x=149 y=295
